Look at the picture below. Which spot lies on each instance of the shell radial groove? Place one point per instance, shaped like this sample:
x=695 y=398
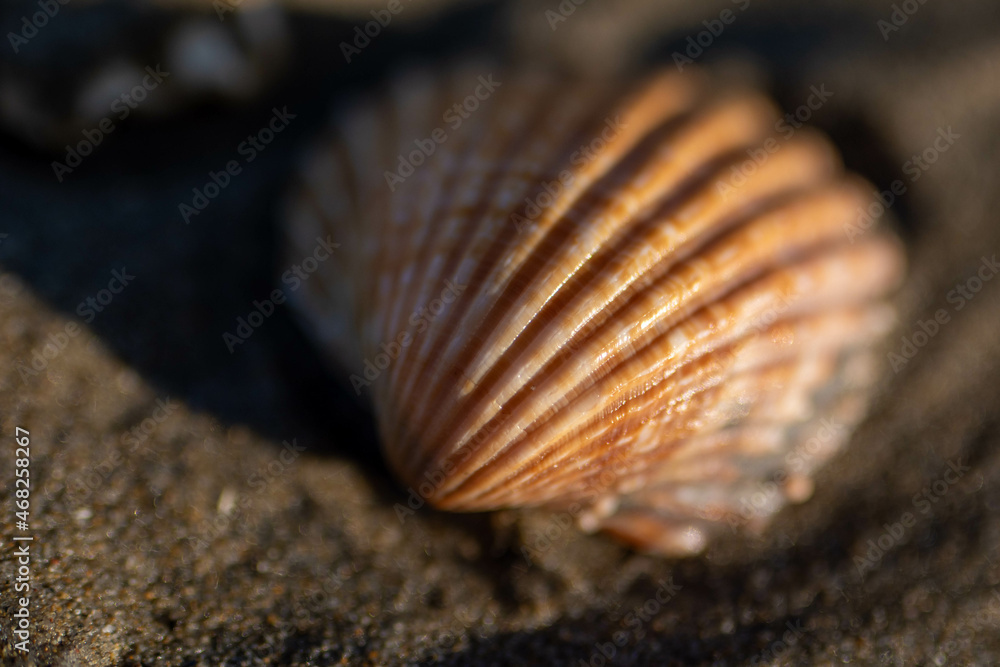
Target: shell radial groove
x=646 y=304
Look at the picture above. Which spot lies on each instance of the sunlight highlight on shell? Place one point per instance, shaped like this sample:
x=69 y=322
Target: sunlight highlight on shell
x=592 y=297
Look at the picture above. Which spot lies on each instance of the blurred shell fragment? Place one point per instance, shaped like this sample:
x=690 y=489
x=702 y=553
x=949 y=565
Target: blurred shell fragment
x=594 y=298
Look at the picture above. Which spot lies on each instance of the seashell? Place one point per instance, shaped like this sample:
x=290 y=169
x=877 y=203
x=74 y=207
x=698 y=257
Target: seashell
x=636 y=303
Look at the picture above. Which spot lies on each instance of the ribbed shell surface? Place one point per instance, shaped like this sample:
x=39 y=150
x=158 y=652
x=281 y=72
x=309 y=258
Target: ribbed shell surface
x=639 y=302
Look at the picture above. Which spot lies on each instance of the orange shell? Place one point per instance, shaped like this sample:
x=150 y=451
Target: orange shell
x=642 y=304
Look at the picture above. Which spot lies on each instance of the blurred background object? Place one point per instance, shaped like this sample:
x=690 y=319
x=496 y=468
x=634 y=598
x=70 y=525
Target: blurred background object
x=72 y=64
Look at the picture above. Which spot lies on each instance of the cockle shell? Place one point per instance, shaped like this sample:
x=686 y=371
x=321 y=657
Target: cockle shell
x=636 y=303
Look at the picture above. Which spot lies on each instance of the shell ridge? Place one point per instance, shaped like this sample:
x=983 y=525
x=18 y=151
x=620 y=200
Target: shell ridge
x=734 y=321
x=582 y=345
